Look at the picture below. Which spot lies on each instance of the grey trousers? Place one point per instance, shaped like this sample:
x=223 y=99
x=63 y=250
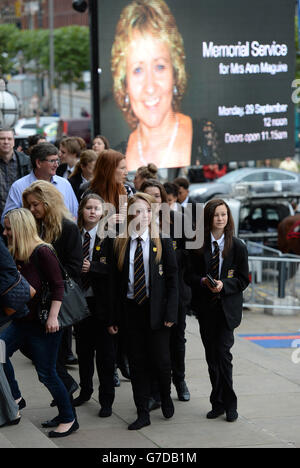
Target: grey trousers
x=8 y=407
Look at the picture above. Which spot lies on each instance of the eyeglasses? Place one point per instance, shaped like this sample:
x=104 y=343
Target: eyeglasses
x=53 y=161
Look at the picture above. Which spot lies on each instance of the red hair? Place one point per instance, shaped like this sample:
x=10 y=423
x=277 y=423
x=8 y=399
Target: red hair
x=104 y=182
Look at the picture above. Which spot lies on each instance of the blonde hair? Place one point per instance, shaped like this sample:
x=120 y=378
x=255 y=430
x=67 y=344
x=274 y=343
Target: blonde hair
x=146 y=16
x=54 y=206
x=24 y=234
x=121 y=242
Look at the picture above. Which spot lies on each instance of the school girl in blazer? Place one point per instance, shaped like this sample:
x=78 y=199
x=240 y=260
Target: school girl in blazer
x=172 y=224
x=92 y=336
x=145 y=284
x=219 y=308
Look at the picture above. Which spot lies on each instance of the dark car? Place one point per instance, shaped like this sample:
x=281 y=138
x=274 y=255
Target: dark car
x=256 y=217
x=255 y=180
x=80 y=127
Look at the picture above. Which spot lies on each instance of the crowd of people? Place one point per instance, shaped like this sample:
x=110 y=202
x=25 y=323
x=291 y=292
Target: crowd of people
x=125 y=245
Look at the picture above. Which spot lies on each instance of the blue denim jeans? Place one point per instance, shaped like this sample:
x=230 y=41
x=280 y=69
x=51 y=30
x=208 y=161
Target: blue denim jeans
x=44 y=349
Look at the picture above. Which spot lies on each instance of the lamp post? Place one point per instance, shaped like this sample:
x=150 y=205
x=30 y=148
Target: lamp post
x=81 y=6
x=8 y=107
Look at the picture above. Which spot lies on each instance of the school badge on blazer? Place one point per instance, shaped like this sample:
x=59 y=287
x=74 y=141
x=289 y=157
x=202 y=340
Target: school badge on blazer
x=160 y=269
x=98 y=248
x=230 y=273
x=174 y=244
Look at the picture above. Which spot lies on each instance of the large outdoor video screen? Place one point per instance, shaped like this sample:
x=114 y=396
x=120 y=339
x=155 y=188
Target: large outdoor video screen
x=197 y=81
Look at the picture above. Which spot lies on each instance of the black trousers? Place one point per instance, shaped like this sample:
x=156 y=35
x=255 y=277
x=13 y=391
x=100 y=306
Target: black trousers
x=148 y=354
x=177 y=346
x=218 y=339
x=93 y=340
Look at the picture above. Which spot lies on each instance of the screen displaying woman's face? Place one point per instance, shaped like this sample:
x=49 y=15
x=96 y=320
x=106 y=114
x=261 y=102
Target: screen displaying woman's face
x=149 y=76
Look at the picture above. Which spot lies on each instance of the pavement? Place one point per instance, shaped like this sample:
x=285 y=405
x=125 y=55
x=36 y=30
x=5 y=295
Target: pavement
x=266 y=380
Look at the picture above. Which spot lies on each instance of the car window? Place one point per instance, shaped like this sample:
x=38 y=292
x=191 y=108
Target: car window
x=272 y=214
x=255 y=177
x=257 y=213
x=29 y=126
x=280 y=176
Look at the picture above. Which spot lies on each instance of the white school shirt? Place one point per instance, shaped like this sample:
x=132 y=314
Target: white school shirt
x=146 y=251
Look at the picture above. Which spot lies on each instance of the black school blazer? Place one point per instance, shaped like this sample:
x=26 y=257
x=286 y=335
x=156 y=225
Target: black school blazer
x=163 y=286
x=99 y=275
x=234 y=275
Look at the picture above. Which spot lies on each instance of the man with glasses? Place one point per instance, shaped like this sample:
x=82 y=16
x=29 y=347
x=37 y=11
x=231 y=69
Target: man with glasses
x=13 y=164
x=45 y=161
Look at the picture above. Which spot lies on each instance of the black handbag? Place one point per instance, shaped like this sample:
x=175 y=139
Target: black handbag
x=74 y=307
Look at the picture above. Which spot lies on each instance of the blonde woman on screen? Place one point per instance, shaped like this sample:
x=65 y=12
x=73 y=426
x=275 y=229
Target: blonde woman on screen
x=148 y=67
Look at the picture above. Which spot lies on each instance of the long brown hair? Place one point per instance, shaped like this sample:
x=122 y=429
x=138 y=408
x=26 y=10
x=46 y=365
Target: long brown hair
x=209 y=212
x=104 y=182
x=121 y=242
x=86 y=157
x=82 y=205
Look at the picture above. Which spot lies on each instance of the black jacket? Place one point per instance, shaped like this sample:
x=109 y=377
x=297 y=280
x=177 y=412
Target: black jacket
x=76 y=181
x=24 y=163
x=163 y=285
x=178 y=238
x=61 y=169
x=99 y=276
x=69 y=249
x=234 y=275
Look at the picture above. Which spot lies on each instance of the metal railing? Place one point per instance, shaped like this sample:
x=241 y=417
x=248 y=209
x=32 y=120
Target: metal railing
x=274 y=280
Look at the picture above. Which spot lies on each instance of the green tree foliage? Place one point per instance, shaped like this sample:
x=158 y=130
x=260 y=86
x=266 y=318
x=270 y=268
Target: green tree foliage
x=71 y=46
x=8 y=36
x=31 y=47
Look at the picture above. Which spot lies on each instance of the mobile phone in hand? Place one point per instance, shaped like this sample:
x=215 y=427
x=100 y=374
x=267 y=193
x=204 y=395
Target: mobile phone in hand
x=211 y=280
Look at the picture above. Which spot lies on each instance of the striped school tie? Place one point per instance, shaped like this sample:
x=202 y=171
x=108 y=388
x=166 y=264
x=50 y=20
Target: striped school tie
x=139 y=274
x=215 y=261
x=86 y=254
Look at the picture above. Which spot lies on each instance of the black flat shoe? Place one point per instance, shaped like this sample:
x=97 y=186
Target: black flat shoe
x=215 y=413
x=73 y=428
x=71 y=361
x=139 y=423
x=153 y=404
x=231 y=415
x=105 y=412
x=14 y=422
x=21 y=404
x=52 y=422
x=167 y=407
x=80 y=400
x=183 y=391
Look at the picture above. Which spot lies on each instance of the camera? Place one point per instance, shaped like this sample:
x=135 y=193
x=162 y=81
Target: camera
x=79 y=5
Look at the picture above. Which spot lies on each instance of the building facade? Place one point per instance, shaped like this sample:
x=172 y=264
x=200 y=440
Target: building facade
x=28 y=14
